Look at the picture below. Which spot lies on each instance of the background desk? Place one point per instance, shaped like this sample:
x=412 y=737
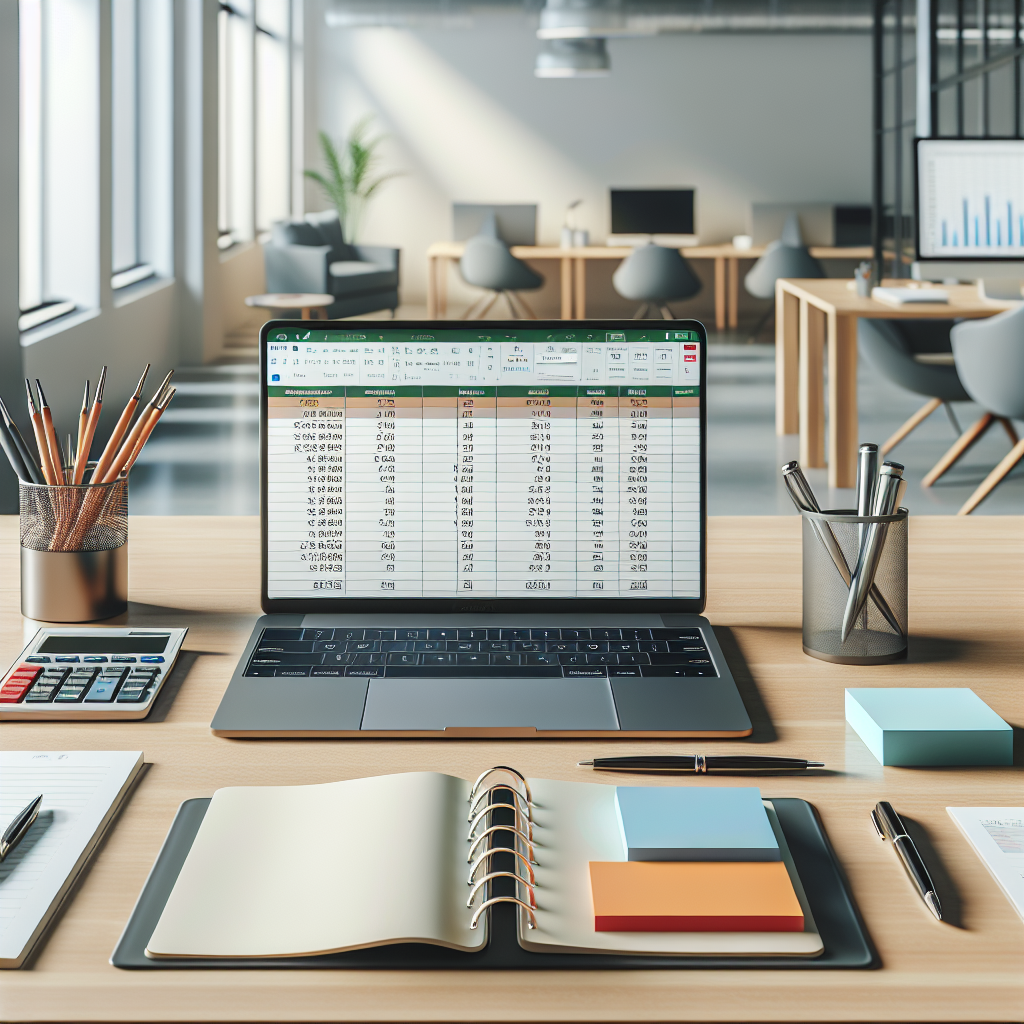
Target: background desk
x=812 y=317
x=204 y=573
x=573 y=272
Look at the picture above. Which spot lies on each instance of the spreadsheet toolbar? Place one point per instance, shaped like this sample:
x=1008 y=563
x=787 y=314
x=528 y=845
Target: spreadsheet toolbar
x=474 y=469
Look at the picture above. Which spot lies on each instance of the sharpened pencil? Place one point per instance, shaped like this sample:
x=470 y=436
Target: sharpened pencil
x=85 y=440
x=120 y=429
x=83 y=418
x=126 y=450
x=151 y=422
x=43 y=448
x=50 y=435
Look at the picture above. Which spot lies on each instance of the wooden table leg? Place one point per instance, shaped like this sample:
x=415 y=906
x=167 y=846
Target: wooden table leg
x=812 y=385
x=432 y=262
x=581 y=287
x=734 y=291
x=304 y=313
x=567 y=296
x=442 y=288
x=842 y=401
x=787 y=362
x=720 y=293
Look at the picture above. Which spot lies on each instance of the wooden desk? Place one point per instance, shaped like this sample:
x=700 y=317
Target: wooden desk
x=819 y=316
x=573 y=272
x=204 y=573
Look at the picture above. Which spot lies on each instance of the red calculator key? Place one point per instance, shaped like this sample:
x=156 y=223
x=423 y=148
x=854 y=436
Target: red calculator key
x=29 y=672
x=13 y=690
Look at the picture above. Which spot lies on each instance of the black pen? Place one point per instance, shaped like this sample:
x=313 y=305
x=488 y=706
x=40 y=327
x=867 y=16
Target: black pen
x=888 y=826
x=700 y=765
x=15 y=832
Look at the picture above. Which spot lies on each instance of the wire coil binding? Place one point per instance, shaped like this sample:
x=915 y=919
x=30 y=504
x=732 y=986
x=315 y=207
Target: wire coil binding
x=522 y=846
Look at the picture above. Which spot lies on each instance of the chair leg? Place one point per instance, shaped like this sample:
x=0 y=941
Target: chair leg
x=952 y=417
x=760 y=323
x=522 y=302
x=919 y=417
x=989 y=483
x=490 y=301
x=470 y=313
x=641 y=312
x=1008 y=427
x=962 y=443
x=667 y=314
x=514 y=312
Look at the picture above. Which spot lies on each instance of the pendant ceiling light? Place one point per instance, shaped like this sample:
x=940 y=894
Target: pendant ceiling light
x=573 y=58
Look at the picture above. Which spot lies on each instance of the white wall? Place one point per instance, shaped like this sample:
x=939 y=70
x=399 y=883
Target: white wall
x=741 y=118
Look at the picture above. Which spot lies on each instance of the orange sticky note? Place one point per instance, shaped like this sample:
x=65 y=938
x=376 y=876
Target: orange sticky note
x=694 y=896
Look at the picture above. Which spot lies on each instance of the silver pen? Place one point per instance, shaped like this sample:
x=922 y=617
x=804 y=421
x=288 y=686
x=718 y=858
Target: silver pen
x=15 y=832
x=889 y=826
x=889 y=477
x=867 y=481
x=803 y=497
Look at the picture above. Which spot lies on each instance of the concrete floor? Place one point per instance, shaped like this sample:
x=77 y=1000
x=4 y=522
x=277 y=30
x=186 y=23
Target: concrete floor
x=203 y=456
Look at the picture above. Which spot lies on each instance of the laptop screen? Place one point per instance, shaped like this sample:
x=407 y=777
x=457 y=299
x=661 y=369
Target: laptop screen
x=474 y=464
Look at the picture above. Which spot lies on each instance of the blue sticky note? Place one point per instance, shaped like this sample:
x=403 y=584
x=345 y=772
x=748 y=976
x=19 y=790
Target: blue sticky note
x=695 y=823
x=923 y=726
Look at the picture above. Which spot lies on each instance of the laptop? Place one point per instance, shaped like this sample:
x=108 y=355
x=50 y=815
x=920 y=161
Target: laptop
x=483 y=529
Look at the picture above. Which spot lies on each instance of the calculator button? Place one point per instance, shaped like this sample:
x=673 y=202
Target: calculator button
x=39 y=659
x=102 y=691
x=71 y=692
x=122 y=658
x=152 y=658
x=66 y=658
x=28 y=672
x=12 y=691
x=94 y=657
x=41 y=692
x=131 y=694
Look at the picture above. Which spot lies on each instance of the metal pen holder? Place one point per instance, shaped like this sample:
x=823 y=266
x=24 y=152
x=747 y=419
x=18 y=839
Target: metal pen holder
x=879 y=633
x=74 y=551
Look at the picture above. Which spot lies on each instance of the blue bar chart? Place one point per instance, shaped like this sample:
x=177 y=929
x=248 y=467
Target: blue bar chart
x=971 y=199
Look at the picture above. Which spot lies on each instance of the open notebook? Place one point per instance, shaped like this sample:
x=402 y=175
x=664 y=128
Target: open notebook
x=307 y=870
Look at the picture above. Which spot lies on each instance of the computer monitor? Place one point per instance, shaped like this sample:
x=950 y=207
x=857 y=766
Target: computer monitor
x=517 y=223
x=652 y=211
x=970 y=209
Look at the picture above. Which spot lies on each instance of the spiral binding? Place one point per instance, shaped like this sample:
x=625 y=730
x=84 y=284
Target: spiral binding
x=522 y=847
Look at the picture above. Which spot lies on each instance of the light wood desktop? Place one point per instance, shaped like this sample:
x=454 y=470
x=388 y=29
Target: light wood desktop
x=817 y=319
x=573 y=272
x=966 y=606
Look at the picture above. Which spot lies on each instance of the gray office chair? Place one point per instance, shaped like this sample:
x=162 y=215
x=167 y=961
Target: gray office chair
x=916 y=355
x=785 y=257
x=989 y=357
x=487 y=263
x=654 y=275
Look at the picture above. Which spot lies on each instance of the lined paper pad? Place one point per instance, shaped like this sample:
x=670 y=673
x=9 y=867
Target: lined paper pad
x=691 y=823
x=997 y=835
x=694 y=897
x=81 y=790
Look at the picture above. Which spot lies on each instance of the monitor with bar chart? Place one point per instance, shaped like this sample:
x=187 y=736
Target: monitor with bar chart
x=970 y=199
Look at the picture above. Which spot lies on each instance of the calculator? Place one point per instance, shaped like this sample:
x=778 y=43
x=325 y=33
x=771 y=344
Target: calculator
x=82 y=673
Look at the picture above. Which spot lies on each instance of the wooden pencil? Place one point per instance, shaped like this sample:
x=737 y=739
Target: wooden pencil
x=85 y=439
x=83 y=418
x=40 y=435
x=124 y=453
x=151 y=422
x=51 y=435
x=121 y=427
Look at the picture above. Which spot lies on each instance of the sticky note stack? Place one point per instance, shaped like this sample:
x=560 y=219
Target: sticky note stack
x=696 y=859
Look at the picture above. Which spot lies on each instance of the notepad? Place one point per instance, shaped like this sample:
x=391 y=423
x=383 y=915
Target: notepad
x=694 y=897
x=997 y=835
x=82 y=791
x=698 y=823
x=302 y=870
x=902 y=296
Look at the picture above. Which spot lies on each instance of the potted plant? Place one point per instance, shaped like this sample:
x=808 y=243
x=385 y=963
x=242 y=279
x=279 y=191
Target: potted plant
x=350 y=182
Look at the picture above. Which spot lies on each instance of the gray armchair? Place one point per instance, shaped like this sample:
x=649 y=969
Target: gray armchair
x=311 y=256
x=488 y=263
x=652 y=275
x=989 y=357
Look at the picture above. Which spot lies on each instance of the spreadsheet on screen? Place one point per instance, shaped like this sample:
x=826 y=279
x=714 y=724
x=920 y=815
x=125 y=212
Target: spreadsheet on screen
x=456 y=464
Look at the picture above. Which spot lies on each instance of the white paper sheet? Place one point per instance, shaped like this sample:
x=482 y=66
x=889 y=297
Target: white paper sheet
x=81 y=790
x=997 y=835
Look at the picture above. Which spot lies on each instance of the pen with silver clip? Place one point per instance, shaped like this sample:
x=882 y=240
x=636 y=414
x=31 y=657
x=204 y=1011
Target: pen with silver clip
x=803 y=497
x=15 y=832
x=889 y=826
x=867 y=481
x=890 y=476
x=701 y=765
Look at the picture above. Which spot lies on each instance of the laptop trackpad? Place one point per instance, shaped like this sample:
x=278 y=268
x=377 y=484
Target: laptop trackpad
x=428 y=704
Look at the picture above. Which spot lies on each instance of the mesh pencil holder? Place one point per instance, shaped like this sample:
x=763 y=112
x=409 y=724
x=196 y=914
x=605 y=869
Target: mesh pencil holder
x=831 y=545
x=74 y=551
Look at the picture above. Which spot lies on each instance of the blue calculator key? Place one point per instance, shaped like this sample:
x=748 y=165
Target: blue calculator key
x=39 y=659
x=94 y=657
x=102 y=691
x=66 y=657
x=123 y=658
x=152 y=658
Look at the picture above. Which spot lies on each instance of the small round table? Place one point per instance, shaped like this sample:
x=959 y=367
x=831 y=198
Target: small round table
x=308 y=302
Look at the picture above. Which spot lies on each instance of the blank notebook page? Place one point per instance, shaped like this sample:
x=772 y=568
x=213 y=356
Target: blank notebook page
x=576 y=823
x=303 y=870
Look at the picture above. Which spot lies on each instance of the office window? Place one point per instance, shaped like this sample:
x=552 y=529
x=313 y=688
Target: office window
x=256 y=53
x=128 y=266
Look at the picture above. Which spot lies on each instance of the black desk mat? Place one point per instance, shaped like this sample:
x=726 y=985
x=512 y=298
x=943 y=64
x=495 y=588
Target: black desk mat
x=846 y=941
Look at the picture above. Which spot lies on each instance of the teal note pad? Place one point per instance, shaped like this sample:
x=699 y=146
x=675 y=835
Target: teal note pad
x=694 y=823
x=928 y=726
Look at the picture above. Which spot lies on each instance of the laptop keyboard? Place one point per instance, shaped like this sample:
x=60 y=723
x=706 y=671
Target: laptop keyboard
x=461 y=652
